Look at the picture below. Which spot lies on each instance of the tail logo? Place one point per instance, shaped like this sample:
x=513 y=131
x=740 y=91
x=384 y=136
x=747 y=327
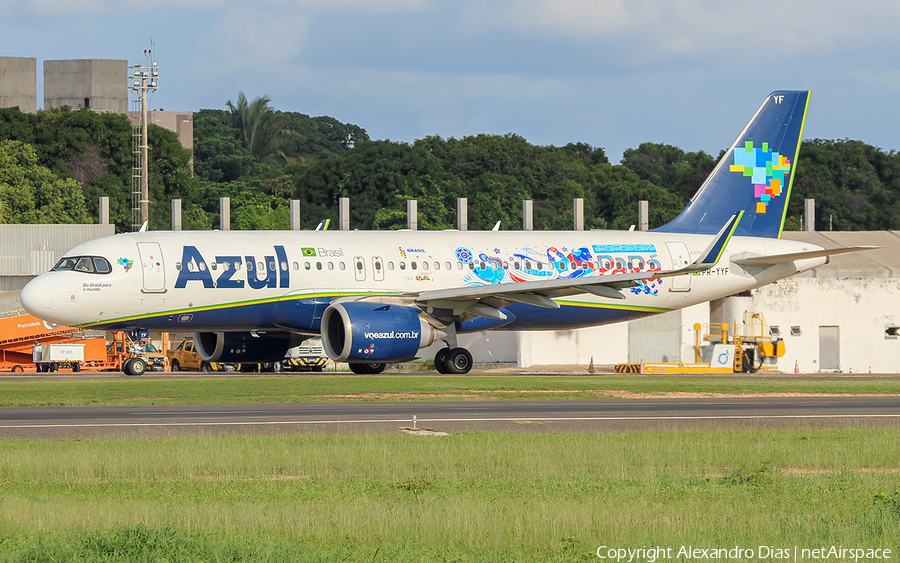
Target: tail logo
x=766 y=170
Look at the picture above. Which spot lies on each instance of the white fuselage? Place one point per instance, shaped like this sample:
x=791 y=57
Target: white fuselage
x=238 y=280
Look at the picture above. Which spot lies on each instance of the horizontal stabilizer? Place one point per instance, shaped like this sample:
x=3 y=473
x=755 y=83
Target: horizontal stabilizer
x=747 y=259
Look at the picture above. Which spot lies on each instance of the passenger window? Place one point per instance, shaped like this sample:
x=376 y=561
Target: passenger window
x=202 y=266
x=331 y=265
x=260 y=266
x=213 y=265
x=306 y=265
x=459 y=265
x=527 y=264
x=449 y=266
x=437 y=265
x=390 y=265
x=471 y=265
x=424 y=265
x=540 y=265
x=296 y=266
x=237 y=265
x=318 y=265
x=249 y=266
x=178 y=266
x=284 y=266
x=342 y=266
x=413 y=265
x=402 y=265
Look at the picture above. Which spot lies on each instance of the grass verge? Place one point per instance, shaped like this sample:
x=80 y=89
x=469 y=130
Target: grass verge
x=465 y=497
x=137 y=391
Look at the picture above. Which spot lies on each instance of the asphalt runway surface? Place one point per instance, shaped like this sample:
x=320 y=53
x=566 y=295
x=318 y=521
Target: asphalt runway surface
x=585 y=416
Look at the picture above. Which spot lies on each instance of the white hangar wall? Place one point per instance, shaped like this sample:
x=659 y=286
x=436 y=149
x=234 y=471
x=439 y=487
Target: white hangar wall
x=845 y=315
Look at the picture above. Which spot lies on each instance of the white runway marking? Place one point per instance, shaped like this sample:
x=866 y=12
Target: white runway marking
x=433 y=420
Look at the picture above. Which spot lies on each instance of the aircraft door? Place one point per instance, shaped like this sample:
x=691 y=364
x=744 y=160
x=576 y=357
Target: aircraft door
x=152 y=267
x=360 y=266
x=377 y=268
x=680 y=258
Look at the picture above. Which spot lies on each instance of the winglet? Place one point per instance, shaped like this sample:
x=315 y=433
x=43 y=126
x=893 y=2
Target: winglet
x=714 y=251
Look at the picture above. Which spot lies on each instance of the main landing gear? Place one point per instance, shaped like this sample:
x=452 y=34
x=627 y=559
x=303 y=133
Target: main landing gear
x=453 y=360
x=367 y=368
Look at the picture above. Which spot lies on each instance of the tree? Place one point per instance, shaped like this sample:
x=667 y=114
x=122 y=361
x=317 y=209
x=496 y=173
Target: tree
x=218 y=154
x=31 y=193
x=250 y=118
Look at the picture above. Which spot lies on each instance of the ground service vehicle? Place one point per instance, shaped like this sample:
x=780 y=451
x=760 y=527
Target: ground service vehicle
x=185 y=357
x=51 y=357
x=309 y=356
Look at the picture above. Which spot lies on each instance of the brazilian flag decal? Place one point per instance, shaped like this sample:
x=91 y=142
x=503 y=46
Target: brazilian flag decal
x=309 y=251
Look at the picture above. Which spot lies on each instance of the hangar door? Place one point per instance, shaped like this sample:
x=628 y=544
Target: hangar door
x=655 y=339
x=830 y=347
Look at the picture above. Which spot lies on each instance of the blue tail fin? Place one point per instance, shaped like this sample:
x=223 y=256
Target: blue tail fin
x=755 y=175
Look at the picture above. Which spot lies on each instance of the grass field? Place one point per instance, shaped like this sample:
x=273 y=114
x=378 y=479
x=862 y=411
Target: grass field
x=217 y=390
x=464 y=497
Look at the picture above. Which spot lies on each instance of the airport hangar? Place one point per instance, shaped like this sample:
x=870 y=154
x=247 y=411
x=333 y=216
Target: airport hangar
x=841 y=317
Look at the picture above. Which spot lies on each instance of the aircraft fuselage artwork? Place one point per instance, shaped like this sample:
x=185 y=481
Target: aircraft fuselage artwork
x=380 y=296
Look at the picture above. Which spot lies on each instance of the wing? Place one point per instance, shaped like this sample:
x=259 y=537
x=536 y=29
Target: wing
x=459 y=304
x=745 y=259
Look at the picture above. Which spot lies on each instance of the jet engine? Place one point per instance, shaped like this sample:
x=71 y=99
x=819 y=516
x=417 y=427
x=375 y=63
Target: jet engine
x=359 y=331
x=244 y=346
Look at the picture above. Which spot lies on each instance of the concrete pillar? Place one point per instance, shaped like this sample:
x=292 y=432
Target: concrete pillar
x=104 y=210
x=462 y=213
x=176 y=214
x=225 y=213
x=412 y=215
x=344 y=213
x=644 y=215
x=527 y=215
x=578 y=208
x=809 y=214
x=295 y=214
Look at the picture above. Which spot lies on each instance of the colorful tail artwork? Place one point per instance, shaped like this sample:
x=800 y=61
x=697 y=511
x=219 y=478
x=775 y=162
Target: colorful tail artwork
x=754 y=176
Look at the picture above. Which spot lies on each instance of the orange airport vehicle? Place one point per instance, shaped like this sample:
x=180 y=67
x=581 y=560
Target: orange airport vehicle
x=19 y=334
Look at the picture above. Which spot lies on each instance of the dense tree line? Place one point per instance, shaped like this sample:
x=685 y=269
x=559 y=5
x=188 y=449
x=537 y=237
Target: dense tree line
x=55 y=164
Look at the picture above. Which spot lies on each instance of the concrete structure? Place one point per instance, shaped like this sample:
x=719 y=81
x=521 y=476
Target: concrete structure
x=99 y=84
x=181 y=122
x=18 y=83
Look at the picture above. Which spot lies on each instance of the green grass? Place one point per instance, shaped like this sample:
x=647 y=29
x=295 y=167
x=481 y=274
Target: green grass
x=465 y=497
x=218 y=390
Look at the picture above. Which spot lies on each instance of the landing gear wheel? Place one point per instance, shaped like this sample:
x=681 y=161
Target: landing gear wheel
x=367 y=369
x=440 y=361
x=459 y=361
x=134 y=366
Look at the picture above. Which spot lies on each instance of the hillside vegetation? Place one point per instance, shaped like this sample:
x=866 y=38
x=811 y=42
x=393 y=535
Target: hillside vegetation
x=55 y=164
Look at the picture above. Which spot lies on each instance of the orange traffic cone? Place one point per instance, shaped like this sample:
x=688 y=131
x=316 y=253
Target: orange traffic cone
x=796 y=367
x=591 y=367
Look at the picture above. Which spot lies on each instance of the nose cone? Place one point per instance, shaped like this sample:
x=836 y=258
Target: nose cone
x=37 y=298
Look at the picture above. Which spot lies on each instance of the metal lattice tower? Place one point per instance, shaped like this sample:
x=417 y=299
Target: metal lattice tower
x=143 y=80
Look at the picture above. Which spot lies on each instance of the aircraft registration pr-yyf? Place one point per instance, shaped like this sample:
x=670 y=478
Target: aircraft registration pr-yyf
x=380 y=296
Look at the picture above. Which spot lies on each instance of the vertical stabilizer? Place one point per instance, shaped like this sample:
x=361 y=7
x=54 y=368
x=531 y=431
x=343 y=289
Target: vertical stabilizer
x=755 y=175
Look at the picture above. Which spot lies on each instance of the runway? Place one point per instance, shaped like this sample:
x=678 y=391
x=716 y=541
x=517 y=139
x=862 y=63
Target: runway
x=585 y=416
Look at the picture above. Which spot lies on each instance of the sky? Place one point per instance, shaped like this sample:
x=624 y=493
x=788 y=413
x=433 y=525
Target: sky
x=610 y=73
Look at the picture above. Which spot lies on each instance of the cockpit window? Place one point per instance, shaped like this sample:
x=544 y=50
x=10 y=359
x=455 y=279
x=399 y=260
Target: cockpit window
x=89 y=264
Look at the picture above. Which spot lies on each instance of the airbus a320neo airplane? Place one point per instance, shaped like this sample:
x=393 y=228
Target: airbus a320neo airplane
x=379 y=297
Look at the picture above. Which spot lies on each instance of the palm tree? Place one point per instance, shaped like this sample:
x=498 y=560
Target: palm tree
x=250 y=119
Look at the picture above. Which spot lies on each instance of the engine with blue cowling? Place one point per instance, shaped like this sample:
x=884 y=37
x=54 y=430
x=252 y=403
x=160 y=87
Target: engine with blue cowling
x=359 y=331
x=244 y=347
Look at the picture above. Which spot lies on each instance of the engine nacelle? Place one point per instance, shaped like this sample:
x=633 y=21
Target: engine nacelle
x=358 y=331
x=243 y=346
